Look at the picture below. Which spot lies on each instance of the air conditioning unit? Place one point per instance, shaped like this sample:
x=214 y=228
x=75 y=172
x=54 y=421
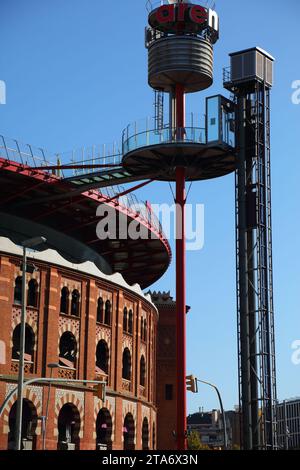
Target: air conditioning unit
x=254 y=63
x=26 y=445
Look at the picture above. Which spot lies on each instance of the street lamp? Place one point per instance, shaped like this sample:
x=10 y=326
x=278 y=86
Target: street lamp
x=52 y=365
x=222 y=410
x=31 y=243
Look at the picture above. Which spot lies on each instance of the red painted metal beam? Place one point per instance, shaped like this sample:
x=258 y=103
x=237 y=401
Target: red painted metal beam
x=181 y=431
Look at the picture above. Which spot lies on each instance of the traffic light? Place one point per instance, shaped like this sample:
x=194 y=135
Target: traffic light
x=191 y=383
x=99 y=391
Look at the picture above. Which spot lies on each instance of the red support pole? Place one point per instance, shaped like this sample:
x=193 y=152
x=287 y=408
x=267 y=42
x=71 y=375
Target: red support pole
x=181 y=431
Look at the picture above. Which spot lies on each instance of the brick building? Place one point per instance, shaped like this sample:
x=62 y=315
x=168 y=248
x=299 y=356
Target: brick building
x=92 y=325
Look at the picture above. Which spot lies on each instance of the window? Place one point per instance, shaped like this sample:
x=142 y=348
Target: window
x=142 y=371
x=32 y=296
x=125 y=319
x=145 y=330
x=107 y=312
x=100 y=310
x=67 y=350
x=169 y=392
x=75 y=303
x=64 y=300
x=126 y=369
x=142 y=328
x=18 y=290
x=145 y=434
x=130 y=322
x=29 y=343
x=102 y=357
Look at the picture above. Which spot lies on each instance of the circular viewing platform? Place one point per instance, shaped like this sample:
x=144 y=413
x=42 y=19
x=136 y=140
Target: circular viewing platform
x=157 y=152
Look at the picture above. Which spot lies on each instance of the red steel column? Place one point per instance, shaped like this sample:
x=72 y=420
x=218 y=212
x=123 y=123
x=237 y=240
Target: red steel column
x=181 y=431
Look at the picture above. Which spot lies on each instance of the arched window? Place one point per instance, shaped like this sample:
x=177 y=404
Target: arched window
x=68 y=425
x=102 y=357
x=29 y=343
x=104 y=428
x=18 y=290
x=145 y=434
x=142 y=328
x=153 y=437
x=126 y=369
x=125 y=319
x=107 y=313
x=128 y=432
x=64 y=300
x=145 y=330
x=29 y=425
x=130 y=322
x=67 y=350
x=100 y=310
x=32 y=296
x=75 y=303
x=142 y=371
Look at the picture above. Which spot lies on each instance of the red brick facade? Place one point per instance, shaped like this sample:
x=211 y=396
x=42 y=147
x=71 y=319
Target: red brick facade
x=128 y=416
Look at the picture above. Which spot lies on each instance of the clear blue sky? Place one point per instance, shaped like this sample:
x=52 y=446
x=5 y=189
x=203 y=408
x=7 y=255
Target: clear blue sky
x=76 y=74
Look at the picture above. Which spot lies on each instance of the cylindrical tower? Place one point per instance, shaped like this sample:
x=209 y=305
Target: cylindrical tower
x=180 y=41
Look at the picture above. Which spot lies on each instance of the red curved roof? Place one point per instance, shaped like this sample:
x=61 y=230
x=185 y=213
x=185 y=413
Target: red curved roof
x=139 y=261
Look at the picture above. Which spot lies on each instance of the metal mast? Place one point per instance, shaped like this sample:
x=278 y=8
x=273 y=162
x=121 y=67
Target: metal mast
x=250 y=82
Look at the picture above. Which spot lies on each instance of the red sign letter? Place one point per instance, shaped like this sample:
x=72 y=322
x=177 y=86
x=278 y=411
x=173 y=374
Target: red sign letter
x=198 y=14
x=166 y=14
x=181 y=11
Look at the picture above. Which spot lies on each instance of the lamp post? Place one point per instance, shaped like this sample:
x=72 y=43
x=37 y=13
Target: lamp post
x=51 y=366
x=31 y=243
x=222 y=410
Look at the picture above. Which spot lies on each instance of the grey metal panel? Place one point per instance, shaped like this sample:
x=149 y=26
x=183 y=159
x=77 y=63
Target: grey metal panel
x=260 y=65
x=249 y=64
x=269 y=72
x=186 y=60
x=237 y=67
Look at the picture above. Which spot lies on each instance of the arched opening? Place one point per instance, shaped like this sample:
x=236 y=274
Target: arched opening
x=142 y=329
x=142 y=371
x=145 y=434
x=153 y=437
x=145 y=330
x=64 y=300
x=102 y=357
x=125 y=319
x=126 y=363
x=67 y=350
x=29 y=424
x=107 y=315
x=130 y=322
x=18 y=291
x=104 y=430
x=75 y=303
x=68 y=428
x=32 y=294
x=128 y=432
x=29 y=343
x=100 y=310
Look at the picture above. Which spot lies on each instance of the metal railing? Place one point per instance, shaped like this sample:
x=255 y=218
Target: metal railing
x=167 y=135
x=226 y=74
x=28 y=155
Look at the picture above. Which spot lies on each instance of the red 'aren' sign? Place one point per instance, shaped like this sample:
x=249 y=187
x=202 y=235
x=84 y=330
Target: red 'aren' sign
x=172 y=13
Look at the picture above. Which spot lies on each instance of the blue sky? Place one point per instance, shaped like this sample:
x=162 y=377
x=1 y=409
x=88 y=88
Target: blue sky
x=76 y=74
